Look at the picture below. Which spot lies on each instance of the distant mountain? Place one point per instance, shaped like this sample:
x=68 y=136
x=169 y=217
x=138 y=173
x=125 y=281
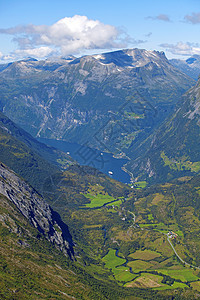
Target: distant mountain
x=190 y=66
x=111 y=101
x=173 y=151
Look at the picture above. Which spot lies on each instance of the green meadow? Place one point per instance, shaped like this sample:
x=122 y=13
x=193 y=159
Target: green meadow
x=98 y=200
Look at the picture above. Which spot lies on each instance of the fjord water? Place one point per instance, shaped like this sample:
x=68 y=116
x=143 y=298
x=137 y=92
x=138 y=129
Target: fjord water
x=84 y=155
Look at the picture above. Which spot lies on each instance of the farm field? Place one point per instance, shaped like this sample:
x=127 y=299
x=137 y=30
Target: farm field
x=147 y=280
x=121 y=273
x=145 y=255
x=98 y=200
x=196 y=285
x=139 y=265
x=181 y=274
x=111 y=260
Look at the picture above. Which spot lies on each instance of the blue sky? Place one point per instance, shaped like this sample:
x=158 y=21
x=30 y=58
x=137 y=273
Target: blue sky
x=45 y=28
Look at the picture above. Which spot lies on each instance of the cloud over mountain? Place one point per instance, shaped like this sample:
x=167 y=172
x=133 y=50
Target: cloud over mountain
x=181 y=48
x=69 y=35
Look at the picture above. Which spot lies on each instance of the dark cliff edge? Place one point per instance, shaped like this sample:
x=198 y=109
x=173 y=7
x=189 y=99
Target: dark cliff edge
x=36 y=210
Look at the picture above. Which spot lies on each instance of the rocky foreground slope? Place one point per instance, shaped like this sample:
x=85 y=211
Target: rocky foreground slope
x=35 y=210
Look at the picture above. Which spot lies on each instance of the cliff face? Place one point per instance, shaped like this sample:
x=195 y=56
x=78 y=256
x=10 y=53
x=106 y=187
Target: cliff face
x=35 y=210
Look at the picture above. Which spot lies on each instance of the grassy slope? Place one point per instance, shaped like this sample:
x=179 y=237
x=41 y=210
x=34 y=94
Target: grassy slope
x=48 y=153
x=31 y=268
x=29 y=158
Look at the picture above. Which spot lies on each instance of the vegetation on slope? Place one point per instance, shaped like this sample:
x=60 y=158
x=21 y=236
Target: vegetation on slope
x=172 y=151
x=136 y=227
x=29 y=158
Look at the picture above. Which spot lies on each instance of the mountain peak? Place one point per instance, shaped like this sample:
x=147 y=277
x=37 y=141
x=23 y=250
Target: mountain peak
x=130 y=57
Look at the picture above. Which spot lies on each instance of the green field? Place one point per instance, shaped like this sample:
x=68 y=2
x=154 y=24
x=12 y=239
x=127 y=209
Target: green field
x=98 y=200
x=140 y=184
x=175 y=285
x=117 y=202
x=121 y=273
x=183 y=274
x=144 y=255
x=111 y=260
x=125 y=276
x=139 y=265
x=150 y=217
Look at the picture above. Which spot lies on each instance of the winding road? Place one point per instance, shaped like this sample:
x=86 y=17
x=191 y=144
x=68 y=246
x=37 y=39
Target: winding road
x=184 y=262
x=169 y=241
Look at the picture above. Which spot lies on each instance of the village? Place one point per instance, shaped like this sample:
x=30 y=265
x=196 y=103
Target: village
x=172 y=235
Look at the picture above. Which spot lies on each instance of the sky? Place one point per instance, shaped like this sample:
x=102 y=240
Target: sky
x=42 y=28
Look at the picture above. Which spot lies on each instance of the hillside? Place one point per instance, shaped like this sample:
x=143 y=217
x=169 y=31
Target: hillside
x=31 y=266
x=121 y=233
x=37 y=212
x=174 y=149
x=112 y=101
x=29 y=158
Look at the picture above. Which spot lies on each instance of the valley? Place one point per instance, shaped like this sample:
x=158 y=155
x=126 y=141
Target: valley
x=137 y=247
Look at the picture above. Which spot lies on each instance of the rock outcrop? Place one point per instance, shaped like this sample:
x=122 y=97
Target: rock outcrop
x=36 y=210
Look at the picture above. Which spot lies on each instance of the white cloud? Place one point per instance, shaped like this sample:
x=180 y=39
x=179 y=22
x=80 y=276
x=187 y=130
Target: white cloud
x=1 y=54
x=70 y=35
x=181 y=48
x=35 y=52
x=194 y=18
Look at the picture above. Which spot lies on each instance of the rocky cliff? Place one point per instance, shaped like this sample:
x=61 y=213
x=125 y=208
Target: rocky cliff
x=35 y=210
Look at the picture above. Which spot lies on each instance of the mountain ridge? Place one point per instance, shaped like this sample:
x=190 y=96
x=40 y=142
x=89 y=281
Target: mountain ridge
x=190 y=66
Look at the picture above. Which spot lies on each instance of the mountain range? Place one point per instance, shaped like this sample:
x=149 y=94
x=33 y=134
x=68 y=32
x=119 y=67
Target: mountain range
x=112 y=101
